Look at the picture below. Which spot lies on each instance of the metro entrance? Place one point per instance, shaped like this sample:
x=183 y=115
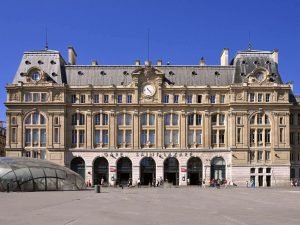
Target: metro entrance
x=100 y=169
x=171 y=170
x=194 y=171
x=124 y=170
x=147 y=169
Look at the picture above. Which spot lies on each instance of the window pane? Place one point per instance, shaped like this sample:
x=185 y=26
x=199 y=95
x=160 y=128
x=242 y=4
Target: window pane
x=35 y=137
x=43 y=119
x=152 y=136
x=143 y=137
x=191 y=119
x=120 y=137
x=175 y=137
x=81 y=136
x=167 y=137
x=28 y=120
x=35 y=97
x=97 y=119
x=43 y=137
x=128 y=119
x=121 y=119
x=167 y=119
x=105 y=136
x=175 y=120
x=151 y=119
x=105 y=119
x=198 y=119
x=199 y=136
x=74 y=119
x=128 y=136
x=28 y=136
x=81 y=119
x=97 y=136
x=191 y=137
x=74 y=136
x=35 y=118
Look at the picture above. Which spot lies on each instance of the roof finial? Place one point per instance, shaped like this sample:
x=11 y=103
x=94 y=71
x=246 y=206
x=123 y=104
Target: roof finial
x=46 y=46
x=249 y=42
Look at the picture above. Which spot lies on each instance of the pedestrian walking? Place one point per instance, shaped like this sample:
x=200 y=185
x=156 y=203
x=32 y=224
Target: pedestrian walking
x=139 y=182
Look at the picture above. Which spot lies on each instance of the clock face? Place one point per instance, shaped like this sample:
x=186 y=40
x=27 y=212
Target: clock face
x=260 y=76
x=149 y=90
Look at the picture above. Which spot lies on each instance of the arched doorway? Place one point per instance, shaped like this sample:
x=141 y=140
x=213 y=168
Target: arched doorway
x=147 y=169
x=218 y=168
x=100 y=170
x=124 y=170
x=171 y=170
x=194 y=171
x=78 y=166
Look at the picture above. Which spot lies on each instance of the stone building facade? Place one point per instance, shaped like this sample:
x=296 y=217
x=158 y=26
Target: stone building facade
x=184 y=124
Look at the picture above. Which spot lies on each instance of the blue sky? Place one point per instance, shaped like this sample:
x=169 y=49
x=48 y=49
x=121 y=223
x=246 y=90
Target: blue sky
x=181 y=32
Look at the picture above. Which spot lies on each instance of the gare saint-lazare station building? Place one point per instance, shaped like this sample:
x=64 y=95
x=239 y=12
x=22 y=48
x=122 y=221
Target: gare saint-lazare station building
x=184 y=124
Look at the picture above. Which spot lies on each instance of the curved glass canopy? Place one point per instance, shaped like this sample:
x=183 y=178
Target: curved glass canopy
x=29 y=174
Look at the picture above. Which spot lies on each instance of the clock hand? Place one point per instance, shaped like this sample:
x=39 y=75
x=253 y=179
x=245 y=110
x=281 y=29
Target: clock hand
x=149 y=90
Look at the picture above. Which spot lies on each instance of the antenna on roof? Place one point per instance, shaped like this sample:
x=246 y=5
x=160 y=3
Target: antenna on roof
x=46 y=46
x=148 y=44
x=249 y=42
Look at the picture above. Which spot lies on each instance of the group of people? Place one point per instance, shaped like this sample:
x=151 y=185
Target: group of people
x=294 y=182
x=154 y=183
x=218 y=182
x=252 y=183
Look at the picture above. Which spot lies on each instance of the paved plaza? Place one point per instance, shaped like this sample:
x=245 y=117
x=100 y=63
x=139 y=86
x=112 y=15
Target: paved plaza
x=146 y=206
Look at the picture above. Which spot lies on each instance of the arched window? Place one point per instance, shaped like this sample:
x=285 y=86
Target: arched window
x=194 y=121
x=260 y=130
x=147 y=130
x=35 y=130
x=171 y=136
x=124 y=124
x=101 y=130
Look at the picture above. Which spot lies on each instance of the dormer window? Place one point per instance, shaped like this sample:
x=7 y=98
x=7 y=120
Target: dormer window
x=260 y=76
x=35 y=76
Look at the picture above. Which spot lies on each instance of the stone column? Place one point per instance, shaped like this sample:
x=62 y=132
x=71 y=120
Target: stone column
x=89 y=133
x=183 y=130
x=50 y=129
x=112 y=130
x=136 y=129
x=8 y=128
x=159 y=128
x=207 y=130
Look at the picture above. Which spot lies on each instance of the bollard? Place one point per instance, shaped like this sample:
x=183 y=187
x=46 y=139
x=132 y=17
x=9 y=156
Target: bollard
x=7 y=187
x=97 y=188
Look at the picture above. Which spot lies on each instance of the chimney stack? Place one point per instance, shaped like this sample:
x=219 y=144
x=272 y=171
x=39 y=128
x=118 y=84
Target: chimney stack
x=137 y=62
x=159 y=62
x=275 y=55
x=224 y=57
x=202 y=61
x=94 y=62
x=71 y=56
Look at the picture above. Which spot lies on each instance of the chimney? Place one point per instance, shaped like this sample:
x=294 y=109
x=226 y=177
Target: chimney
x=275 y=55
x=159 y=62
x=71 y=56
x=137 y=62
x=202 y=61
x=94 y=62
x=224 y=57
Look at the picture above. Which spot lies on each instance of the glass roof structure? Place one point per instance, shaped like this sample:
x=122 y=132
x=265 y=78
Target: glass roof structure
x=29 y=174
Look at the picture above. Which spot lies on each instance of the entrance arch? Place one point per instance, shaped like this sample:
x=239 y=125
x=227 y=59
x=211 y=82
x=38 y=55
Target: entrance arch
x=171 y=170
x=78 y=166
x=218 y=168
x=124 y=170
x=147 y=169
x=100 y=170
x=194 y=171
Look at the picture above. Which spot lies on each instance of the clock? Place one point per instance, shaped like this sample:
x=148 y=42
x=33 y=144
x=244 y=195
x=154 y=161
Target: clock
x=260 y=76
x=149 y=90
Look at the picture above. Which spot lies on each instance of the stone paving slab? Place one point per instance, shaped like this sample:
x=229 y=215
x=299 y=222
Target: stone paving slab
x=149 y=206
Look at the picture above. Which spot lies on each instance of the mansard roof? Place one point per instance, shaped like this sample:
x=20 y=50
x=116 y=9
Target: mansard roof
x=58 y=71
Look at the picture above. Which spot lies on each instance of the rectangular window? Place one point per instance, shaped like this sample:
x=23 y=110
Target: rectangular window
x=120 y=137
x=104 y=119
x=238 y=121
x=97 y=137
x=105 y=99
x=238 y=135
x=121 y=119
x=222 y=99
x=221 y=136
x=73 y=99
x=81 y=119
x=56 y=135
x=74 y=136
x=281 y=120
x=259 y=97
x=176 y=98
x=81 y=136
x=128 y=135
x=129 y=98
x=105 y=137
x=268 y=97
x=252 y=155
x=259 y=118
x=96 y=98
x=221 y=119
x=43 y=137
x=167 y=137
x=214 y=137
x=28 y=97
x=198 y=119
x=152 y=136
x=82 y=98
x=292 y=141
x=189 y=99
x=36 y=97
x=175 y=120
x=13 y=135
x=35 y=137
x=167 y=119
x=144 y=137
x=281 y=135
x=212 y=99
x=27 y=137
x=199 y=137
x=119 y=98
x=191 y=137
x=267 y=136
x=127 y=119
x=259 y=155
x=251 y=97
x=175 y=137
x=214 y=119
x=199 y=99
x=268 y=155
x=259 y=136
x=166 y=99
x=151 y=119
